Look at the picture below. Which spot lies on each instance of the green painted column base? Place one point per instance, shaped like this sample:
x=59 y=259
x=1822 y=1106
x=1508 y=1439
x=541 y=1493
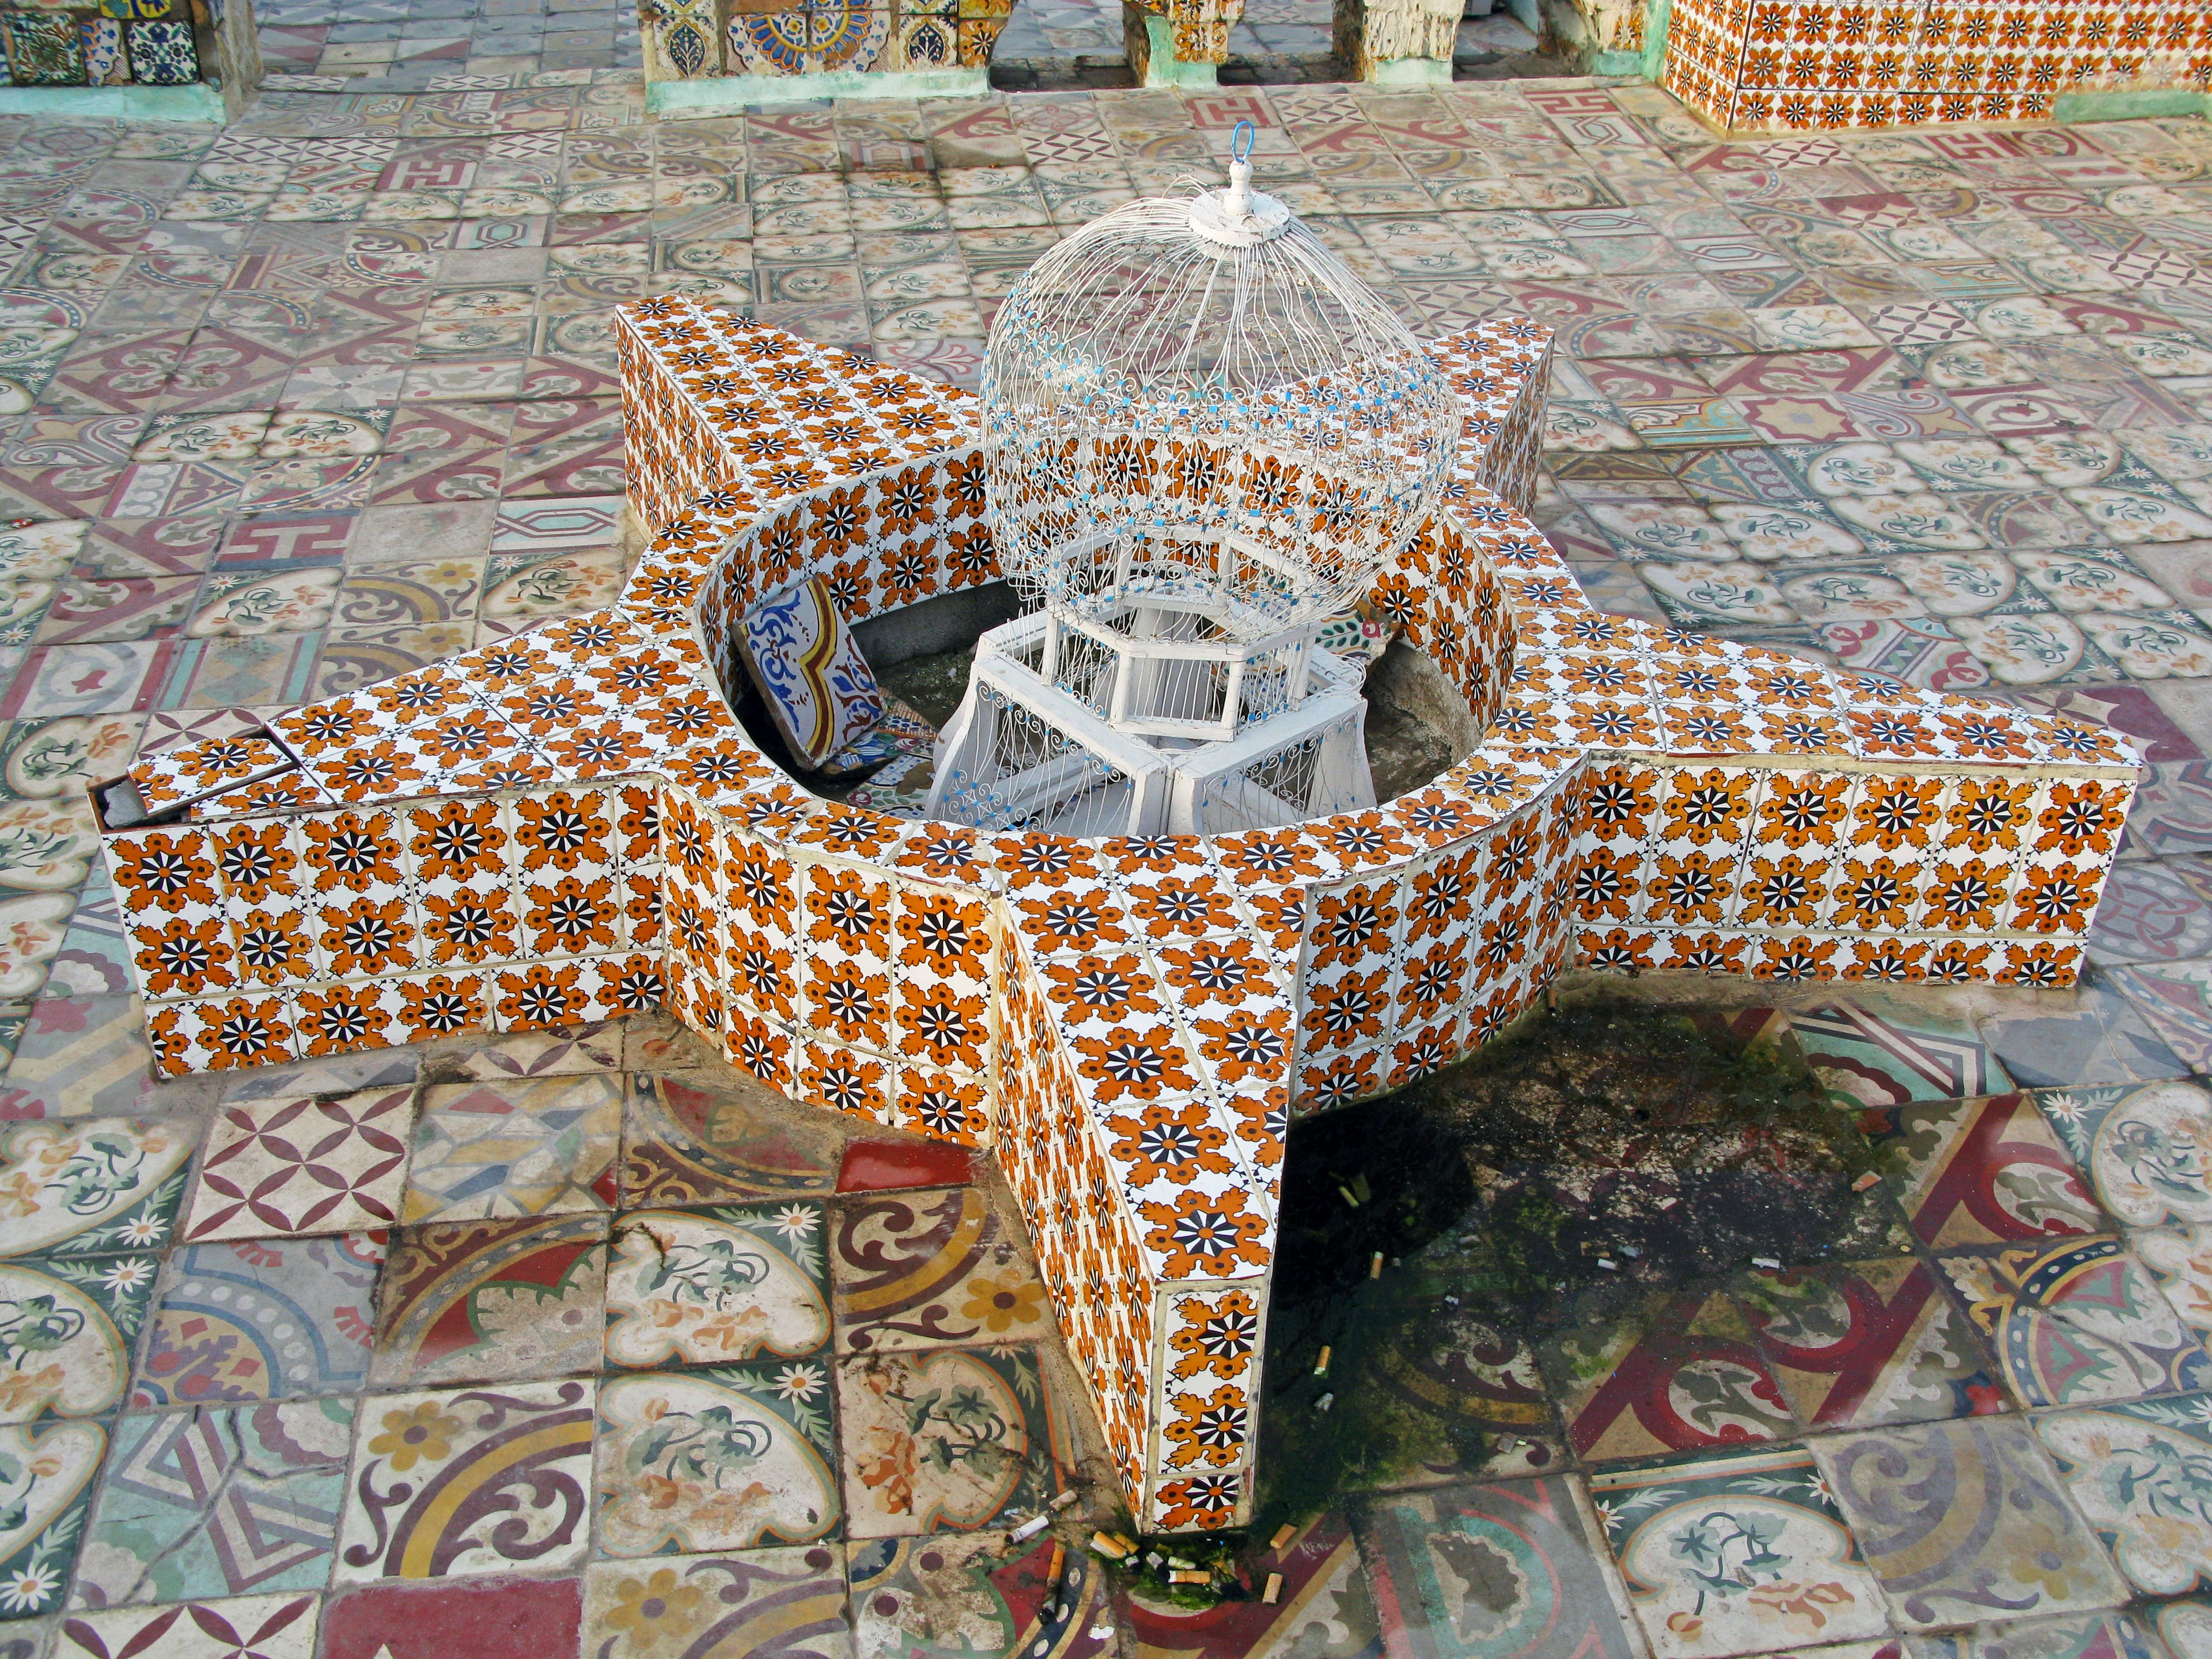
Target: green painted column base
x=1164 y=69
x=2137 y=106
x=197 y=102
x=1410 y=72
x=718 y=95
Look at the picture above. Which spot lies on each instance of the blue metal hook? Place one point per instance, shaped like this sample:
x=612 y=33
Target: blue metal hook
x=1241 y=138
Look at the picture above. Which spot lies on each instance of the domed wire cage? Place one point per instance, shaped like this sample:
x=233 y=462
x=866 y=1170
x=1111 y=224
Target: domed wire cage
x=1204 y=437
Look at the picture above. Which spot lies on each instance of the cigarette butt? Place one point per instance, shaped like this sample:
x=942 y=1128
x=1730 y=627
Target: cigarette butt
x=1064 y=1499
x=1374 y=1265
x=1869 y=1179
x=1284 y=1534
x=1773 y=1264
x=1195 y=1576
x=1030 y=1528
x=1345 y=1192
x=1321 y=1363
x=1608 y=1264
x=1109 y=1546
x=1324 y=1403
x=1274 y=1589
x=1059 y=1561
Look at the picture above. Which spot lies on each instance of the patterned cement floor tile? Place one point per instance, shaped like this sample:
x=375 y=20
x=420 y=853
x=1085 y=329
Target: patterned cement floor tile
x=470 y=1482
x=686 y=1142
x=710 y=1286
x=731 y=1457
x=775 y=1603
x=49 y=1468
x=1737 y=1555
x=919 y=1270
x=527 y=1055
x=282 y=1168
x=1869 y=1342
x=1953 y=1516
x=217 y=1501
x=948 y=1439
x=266 y=1318
x=2146 y=1151
x=68 y=1329
x=2111 y=1635
x=280 y=1626
x=1681 y=1374
x=2137 y=1469
x=1885 y=1059
x=492 y=1301
x=1006 y=1591
x=503 y=1619
x=2079 y=1322
x=94 y=1186
x=79 y=1058
x=1516 y=1569
x=545 y=1147
x=1983 y=1171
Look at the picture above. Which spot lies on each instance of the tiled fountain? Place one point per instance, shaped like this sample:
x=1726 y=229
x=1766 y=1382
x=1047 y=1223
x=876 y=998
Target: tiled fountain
x=575 y=824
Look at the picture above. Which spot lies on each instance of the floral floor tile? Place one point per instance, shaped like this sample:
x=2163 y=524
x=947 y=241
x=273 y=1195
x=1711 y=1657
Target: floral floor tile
x=90 y=1186
x=2111 y=1635
x=1985 y=1172
x=1737 y=1555
x=1954 y=1517
x=280 y=1626
x=2138 y=1472
x=687 y=1144
x=217 y=1501
x=68 y=1329
x=762 y=1604
x=2185 y=1627
x=280 y=1167
x=492 y=1301
x=727 y=1458
x=2146 y=1151
x=948 y=1439
x=1009 y=1600
x=469 y=1482
x=1684 y=1375
x=541 y=1147
x=264 y=1319
x=1869 y=1342
x=1458 y=1399
x=47 y=1472
x=2078 y=1322
x=1885 y=1059
x=1513 y=1570
x=711 y=1286
x=503 y=1619
x=918 y=1270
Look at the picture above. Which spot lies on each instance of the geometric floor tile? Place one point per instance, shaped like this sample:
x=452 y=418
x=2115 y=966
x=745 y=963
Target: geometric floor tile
x=492 y=1301
x=2078 y=1320
x=948 y=1439
x=266 y=1626
x=470 y=1482
x=307 y=1165
x=731 y=1457
x=2108 y=1635
x=685 y=1143
x=543 y=1146
x=928 y=1270
x=1510 y=1571
x=218 y=1501
x=1885 y=1060
x=1737 y=1555
x=1869 y=1342
x=1952 y=1516
x=766 y=1604
x=519 y=1619
x=537 y=1053
x=708 y=1286
x=78 y=1058
x=2175 y=1000
x=1981 y=1171
x=68 y=1329
x=1685 y=1375
x=2093 y=1038
x=90 y=1186
x=1005 y=1590
x=2138 y=1470
x=271 y=1319
x=49 y=1469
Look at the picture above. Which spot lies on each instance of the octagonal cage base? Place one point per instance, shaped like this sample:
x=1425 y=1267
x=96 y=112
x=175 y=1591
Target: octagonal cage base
x=1033 y=745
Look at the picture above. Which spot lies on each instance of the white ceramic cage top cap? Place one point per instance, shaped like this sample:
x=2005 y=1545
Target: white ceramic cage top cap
x=1238 y=216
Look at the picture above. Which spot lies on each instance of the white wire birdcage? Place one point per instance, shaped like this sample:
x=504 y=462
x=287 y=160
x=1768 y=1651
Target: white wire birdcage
x=1204 y=436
